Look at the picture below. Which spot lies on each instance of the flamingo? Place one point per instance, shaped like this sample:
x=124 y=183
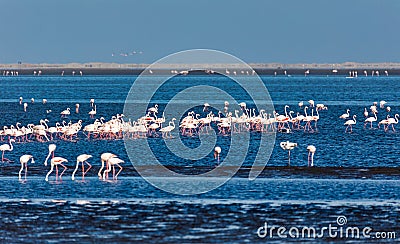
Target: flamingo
x=6 y=147
x=346 y=115
x=25 y=106
x=370 y=120
x=311 y=102
x=167 y=130
x=66 y=112
x=382 y=104
x=111 y=162
x=82 y=159
x=385 y=123
x=77 y=108
x=350 y=123
x=55 y=161
x=393 y=121
x=217 y=152
x=365 y=113
x=24 y=159
x=20 y=100
x=206 y=106
x=288 y=146
x=93 y=112
x=311 y=151
x=104 y=159
x=91 y=102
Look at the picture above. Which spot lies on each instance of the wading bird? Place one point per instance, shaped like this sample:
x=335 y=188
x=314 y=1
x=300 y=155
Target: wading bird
x=6 y=147
x=288 y=146
x=24 y=159
x=311 y=151
x=82 y=159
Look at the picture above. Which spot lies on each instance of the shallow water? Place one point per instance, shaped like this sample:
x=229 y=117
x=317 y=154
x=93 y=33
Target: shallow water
x=356 y=174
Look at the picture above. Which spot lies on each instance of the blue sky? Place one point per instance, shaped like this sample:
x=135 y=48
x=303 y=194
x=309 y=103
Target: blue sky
x=63 y=31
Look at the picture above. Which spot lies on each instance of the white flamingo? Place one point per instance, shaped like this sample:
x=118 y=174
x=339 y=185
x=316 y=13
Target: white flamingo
x=311 y=151
x=167 y=130
x=104 y=159
x=93 y=112
x=370 y=120
x=65 y=112
x=6 y=147
x=55 y=161
x=217 y=152
x=350 y=123
x=82 y=159
x=111 y=163
x=393 y=121
x=288 y=146
x=24 y=159
x=346 y=115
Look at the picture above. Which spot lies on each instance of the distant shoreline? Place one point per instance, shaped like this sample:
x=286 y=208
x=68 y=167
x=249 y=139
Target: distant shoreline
x=342 y=69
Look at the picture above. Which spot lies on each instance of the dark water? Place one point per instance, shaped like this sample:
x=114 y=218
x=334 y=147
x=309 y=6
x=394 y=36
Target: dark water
x=356 y=174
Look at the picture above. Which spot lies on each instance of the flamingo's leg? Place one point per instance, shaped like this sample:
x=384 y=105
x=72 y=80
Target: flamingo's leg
x=90 y=166
x=116 y=177
x=65 y=168
x=20 y=171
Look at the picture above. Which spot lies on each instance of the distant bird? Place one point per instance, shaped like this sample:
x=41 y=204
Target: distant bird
x=370 y=120
x=365 y=113
x=346 y=115
x=388 y=109
x=167 y=130
x=93 y=112
x=374 y=109
x=77 y=108
x=66 y=112
x=382 y=104
x=92 y=102
x=301 y=104
x=350 y=123
x=311 y=151
x=288 y=146
x=6 y=147
x=206 y=106
x=20 y=100
x=25 y=106
x=217 y=152
x=32 y=100
x=44 y=101
x=311 y=102
x=82 y=159
x=24 y=159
